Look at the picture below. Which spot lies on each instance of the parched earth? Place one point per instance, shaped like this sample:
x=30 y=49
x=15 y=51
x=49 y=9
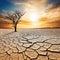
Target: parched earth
x=30 y=44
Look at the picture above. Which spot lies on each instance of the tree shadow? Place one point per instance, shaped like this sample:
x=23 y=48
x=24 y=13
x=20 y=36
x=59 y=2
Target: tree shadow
x=8 y=33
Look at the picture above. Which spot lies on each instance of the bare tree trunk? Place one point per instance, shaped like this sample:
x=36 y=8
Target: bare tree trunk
x=15 y=27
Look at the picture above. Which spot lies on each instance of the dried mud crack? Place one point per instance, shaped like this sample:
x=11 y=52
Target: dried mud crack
x=29 y=46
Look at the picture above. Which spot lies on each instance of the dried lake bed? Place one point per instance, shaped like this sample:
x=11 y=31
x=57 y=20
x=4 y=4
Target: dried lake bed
x=30 y=44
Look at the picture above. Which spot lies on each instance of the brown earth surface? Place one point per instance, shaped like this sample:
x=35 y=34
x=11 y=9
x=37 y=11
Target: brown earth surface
x=30 y=44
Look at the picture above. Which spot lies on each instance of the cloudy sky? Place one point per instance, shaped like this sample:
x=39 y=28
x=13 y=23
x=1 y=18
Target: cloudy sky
x=39 y=13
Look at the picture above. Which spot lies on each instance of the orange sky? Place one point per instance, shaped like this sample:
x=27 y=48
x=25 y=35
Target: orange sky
x=39 y=14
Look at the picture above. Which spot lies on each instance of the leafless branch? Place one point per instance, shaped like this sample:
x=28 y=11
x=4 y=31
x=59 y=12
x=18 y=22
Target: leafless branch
x=15 y=16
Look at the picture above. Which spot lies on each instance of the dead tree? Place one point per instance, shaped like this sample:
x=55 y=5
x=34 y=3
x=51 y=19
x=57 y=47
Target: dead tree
x=15 y=17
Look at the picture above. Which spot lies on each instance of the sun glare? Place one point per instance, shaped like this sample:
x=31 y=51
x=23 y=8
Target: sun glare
x=33 y=17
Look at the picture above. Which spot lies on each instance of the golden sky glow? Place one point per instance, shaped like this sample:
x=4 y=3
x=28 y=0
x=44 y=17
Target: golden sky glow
x=39 y=14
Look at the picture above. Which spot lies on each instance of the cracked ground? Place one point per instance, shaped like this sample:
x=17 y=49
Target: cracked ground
x=30 y=44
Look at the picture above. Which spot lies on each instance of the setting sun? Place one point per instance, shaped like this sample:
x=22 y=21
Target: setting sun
x=34 y=13
x=33 y=17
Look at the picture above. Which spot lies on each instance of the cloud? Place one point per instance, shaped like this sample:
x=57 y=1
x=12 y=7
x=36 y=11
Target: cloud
x=57 y=5
x=17 y=1
x=53 y=6
x=30 y=3
x=1 y=16
x=32 y=6
x=53 y=9
x=3 y=19
x=55 y=23
x=49 y=22
x=50 y=11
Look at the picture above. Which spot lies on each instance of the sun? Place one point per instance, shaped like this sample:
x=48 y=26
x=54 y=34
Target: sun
x=33 y=17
